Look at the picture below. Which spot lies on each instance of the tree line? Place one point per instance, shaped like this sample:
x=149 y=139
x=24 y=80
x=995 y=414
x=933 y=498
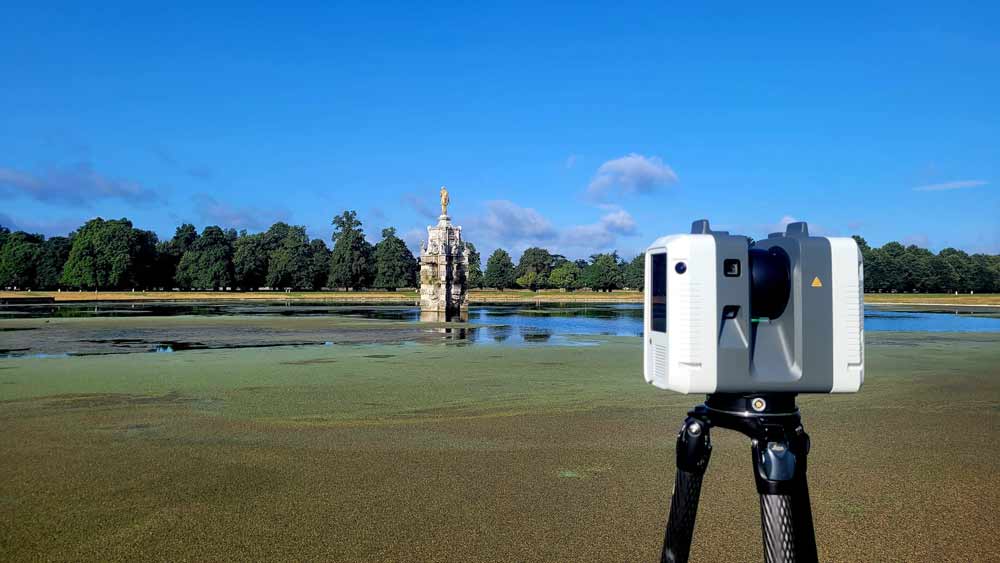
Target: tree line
x=113 y=254
x=890 y=268
x=911 y=269
x=540 y=269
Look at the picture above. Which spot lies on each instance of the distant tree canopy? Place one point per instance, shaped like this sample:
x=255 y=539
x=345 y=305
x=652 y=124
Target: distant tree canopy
x=604 y=272
x=250 y=256
x=319 y=264
x=350 y=262
x=898 y=268
x=634 y=276
x=208 y=264
x=289 y=257
x=534 y=268
x=567 y=276
x=20 y=258
x=499 y=271
x=475 y=278
x=113 y=254
x=395 y=265
x=110 y=255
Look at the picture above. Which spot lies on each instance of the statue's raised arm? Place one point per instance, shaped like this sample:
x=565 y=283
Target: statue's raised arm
x=444 y=200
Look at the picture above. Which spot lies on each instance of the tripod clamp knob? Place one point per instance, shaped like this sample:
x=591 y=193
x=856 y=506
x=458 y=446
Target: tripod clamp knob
x=780 y=459
x=694 y=446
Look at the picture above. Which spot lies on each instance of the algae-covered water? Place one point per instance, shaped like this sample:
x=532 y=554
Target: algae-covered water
x=399 y=442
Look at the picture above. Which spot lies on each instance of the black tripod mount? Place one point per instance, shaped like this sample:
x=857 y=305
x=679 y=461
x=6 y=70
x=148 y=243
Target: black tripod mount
x=780 y=446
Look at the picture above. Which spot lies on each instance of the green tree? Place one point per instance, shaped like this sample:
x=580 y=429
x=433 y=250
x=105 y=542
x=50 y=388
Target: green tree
x=499 y=270
x=603 y=274
x=184 y=238
x=250 y=260
x=145 y=259
x=55 y=253
x=19 y=260
x=276 y=234
x=983 y=276
x=537 y=261
x=961 y=265
x=567 y=276
x=168 y=255
x=350 y=261
x=916 y=271
x=891 y=256
x=104 y=255
x=475 y=266
x=529 y=280
x=208 y=264
x=319 y=264
x=288 y=262
x=634 y=276
x=395 y=265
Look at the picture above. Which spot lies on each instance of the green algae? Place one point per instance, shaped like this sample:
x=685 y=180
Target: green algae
x=474 y=453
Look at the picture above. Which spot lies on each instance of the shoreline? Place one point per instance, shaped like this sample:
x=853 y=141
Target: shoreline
x=478 y=297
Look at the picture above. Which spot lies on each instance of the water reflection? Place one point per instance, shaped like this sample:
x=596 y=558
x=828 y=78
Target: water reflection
x=504 y=324
x=498 y=333
x=444 y=317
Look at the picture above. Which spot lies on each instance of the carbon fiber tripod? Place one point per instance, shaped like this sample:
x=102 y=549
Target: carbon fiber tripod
x=780 y=447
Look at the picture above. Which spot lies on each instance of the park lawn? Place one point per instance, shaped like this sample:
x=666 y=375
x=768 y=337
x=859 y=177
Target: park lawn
x=471 y=453
x=933 y=298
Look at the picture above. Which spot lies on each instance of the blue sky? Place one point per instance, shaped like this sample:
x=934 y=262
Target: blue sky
x=579 y=128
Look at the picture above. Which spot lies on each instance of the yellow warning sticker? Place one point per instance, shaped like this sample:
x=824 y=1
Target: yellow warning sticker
x=816 y=282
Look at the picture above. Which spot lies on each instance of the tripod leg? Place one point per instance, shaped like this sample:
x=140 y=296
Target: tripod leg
x=785 y=512
x=694 y=448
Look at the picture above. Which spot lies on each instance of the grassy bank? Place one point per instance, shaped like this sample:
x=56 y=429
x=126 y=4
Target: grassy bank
x=476 y=296
x=471 y=453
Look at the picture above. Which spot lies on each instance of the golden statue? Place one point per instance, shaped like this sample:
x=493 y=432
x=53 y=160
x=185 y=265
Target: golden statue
x=444 y=200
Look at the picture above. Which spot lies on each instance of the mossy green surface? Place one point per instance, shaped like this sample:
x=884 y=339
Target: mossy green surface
x=403 y=452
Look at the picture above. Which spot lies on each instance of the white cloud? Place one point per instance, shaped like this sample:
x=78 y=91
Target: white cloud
x=514 y=228
x=631 y=174
x=229 y=216
x=47 y=227
x=420 y=205
x=78 y=184
x=619 y=222
x=414 y=238
x=947 y=186
x=509 y=222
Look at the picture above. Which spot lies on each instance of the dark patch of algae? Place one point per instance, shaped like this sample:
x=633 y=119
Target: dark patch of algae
x=487 y=454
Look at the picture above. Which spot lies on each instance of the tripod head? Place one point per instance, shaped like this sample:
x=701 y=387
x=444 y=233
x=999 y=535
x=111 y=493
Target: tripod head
x=780 y=447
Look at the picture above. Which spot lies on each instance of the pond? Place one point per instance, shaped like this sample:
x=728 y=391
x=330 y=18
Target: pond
x=567 y=324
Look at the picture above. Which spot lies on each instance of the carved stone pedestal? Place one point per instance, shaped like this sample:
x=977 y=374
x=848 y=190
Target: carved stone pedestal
x=444 y=264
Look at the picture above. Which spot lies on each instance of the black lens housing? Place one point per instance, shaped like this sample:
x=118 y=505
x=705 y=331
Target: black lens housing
x=770 y=282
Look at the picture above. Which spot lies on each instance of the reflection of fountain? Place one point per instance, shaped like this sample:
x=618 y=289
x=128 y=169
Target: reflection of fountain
x=533 y=334
x=455 y=333
x=499 y=333
x=433 y=316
